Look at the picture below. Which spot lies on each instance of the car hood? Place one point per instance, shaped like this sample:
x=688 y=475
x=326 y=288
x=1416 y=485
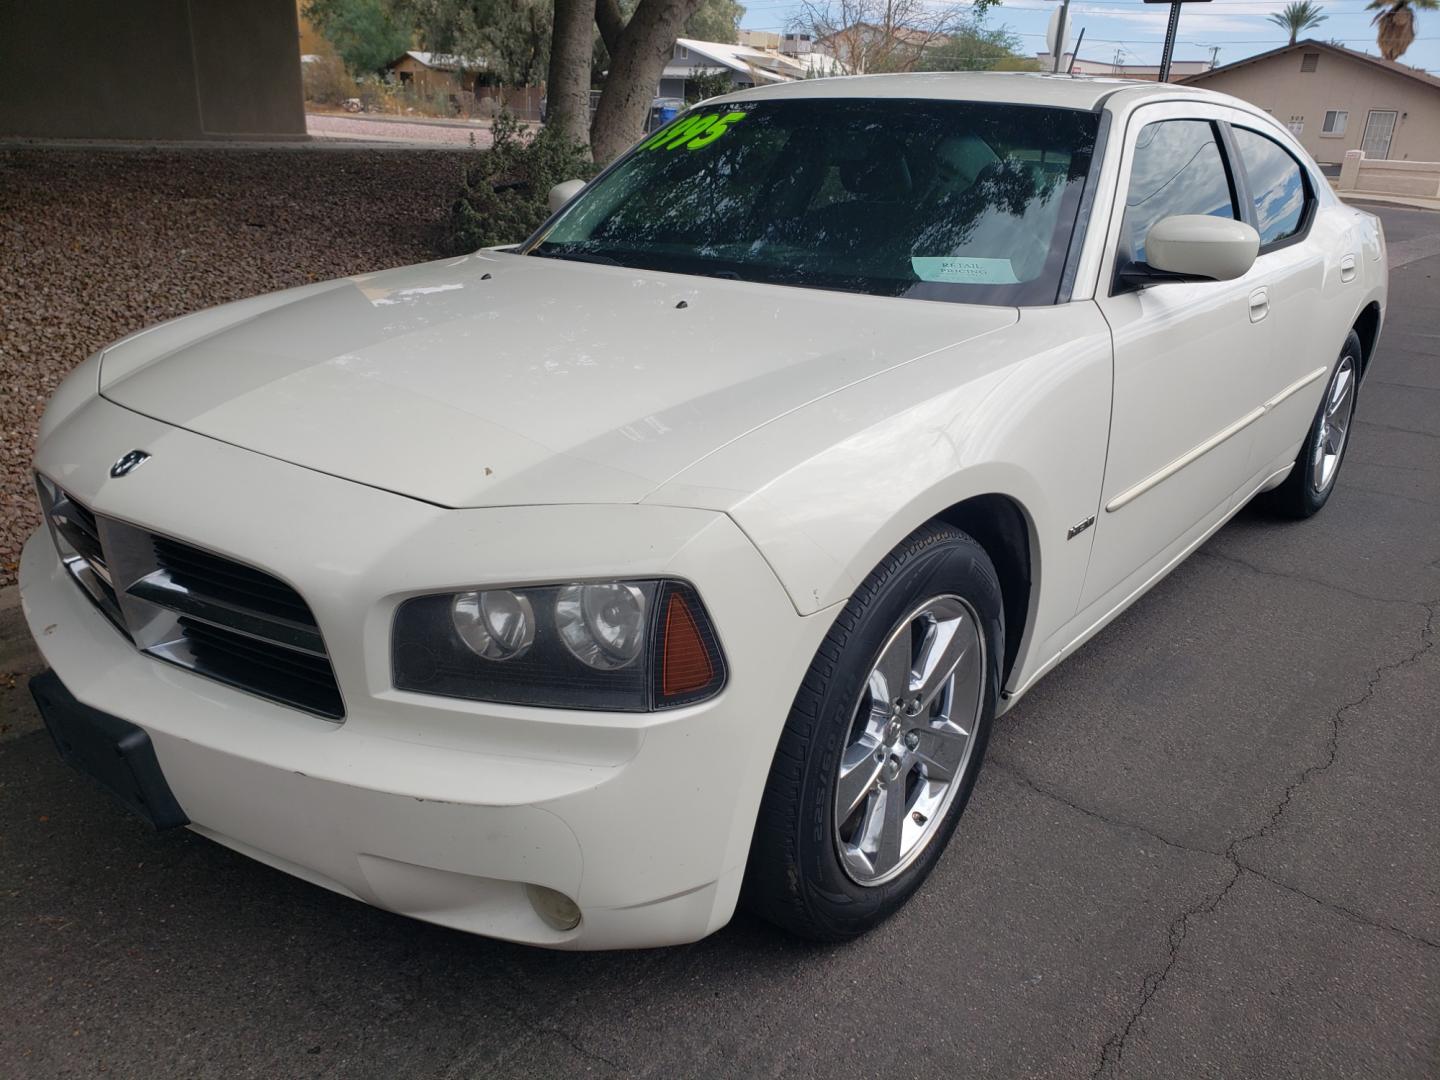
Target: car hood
x=500 y=379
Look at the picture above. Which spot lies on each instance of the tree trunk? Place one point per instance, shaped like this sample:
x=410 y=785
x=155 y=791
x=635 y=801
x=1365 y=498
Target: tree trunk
x=611 y=23
x=635 y=67
x=567 y=89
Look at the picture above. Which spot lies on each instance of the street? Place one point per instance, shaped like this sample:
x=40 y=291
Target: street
x=447 y=134
x=1207 y=845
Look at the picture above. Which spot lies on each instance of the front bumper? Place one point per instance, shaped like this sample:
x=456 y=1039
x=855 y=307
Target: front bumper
x=436 y=808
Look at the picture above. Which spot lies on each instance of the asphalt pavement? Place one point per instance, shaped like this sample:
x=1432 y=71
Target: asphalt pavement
x=1208 y=845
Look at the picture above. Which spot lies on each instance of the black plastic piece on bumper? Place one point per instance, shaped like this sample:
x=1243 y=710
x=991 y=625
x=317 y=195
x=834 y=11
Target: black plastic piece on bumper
x=114 y=752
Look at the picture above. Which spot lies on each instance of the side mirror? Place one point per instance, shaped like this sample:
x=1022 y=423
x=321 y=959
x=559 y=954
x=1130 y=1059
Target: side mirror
x=1195 y=247
x=563 y=192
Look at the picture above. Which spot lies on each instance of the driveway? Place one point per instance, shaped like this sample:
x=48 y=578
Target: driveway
x=1208 y=845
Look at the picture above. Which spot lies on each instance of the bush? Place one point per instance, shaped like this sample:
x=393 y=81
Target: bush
x=706 y=85
x=326 y=81
x=503 y=191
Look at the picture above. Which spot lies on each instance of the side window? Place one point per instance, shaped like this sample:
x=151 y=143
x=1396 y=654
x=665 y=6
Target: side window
x=1277 y=185
x=1177 y=169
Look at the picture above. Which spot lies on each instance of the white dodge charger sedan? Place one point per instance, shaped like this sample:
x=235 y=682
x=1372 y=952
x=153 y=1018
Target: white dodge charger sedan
x=684 y=554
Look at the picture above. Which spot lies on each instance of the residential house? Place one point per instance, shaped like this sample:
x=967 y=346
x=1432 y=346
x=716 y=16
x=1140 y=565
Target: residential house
x=789 y=43
x=1116 y=69
x=438 y=73
x=745 y=65
x=1336 y=99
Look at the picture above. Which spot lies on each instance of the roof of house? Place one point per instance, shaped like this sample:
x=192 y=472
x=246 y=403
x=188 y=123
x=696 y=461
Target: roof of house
x=1311 y=45
x=760 y=65
x=740 y=58
x=445 y=61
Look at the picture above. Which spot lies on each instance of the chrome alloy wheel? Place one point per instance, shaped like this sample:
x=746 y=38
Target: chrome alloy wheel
x=1335 y=417
x=910 y=741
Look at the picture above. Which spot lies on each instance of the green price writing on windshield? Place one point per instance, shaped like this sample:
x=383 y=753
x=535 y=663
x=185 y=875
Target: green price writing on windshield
x=692 y=132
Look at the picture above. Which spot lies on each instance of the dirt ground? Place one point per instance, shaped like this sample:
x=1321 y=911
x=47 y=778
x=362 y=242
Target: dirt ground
x=96 y=243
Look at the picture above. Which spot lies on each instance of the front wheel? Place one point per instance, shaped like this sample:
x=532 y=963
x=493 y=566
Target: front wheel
x=882 y=746
x=1311 y=481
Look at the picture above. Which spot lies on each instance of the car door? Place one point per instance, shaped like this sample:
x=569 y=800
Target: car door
x=1279 y=199
x=1187 y=387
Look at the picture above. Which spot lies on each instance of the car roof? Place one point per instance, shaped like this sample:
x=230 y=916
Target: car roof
x=1014 y=87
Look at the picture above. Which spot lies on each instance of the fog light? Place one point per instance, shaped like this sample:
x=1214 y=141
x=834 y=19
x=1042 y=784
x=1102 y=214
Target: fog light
x=556 y=909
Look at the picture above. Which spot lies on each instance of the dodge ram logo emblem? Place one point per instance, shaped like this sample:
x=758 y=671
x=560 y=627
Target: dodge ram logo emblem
x=129 y=463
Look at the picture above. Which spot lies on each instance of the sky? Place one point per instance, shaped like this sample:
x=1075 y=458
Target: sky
x=1238 y=27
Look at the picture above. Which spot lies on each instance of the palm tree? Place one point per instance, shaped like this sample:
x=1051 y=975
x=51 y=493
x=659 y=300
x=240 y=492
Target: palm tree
x=1298 y=17
x=1397 y=24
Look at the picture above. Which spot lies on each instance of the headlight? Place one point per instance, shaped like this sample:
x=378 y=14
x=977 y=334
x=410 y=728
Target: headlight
x=498 y=625
x=603 y=626
x=620 y=645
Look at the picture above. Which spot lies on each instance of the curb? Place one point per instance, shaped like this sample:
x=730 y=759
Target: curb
x=1414 y=202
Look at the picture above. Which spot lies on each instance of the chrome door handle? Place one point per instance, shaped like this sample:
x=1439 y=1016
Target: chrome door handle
x=1259 y=304
x=1347 y=268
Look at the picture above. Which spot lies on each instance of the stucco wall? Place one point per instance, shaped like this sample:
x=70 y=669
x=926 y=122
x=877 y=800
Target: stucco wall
x=151 y=69
x=1338 y=82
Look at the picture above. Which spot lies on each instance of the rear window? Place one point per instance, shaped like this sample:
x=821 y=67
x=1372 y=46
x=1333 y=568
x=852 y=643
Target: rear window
x=969 y=202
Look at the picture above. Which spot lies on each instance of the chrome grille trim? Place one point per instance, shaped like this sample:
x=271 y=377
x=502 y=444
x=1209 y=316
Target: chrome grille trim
x=159 y=588
x=190 y=607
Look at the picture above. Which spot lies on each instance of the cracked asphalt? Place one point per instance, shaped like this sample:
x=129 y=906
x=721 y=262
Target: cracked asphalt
x=1208 y=845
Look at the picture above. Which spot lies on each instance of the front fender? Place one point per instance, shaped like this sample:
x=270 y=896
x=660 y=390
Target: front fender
x=1023 y=412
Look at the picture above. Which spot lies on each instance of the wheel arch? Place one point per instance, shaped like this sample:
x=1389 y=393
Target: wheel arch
x=1367 y=326
x=1000 y=524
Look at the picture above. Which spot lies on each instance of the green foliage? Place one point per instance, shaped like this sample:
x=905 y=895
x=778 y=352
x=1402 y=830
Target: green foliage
x=513 y=36
x=1298 y=17
x=700 y=87
x=368 y=34
x=976 y=47
x=716 y=20
x=503 y=191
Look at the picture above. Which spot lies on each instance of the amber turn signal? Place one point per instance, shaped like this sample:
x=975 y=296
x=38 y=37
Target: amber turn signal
x=685 y=664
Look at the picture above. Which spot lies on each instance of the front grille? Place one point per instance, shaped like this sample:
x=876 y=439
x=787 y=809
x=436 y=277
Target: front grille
x=292 y=677
x=217 y=617
x=210 y=575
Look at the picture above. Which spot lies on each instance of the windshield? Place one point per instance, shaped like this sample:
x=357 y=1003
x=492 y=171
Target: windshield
x=971 y=202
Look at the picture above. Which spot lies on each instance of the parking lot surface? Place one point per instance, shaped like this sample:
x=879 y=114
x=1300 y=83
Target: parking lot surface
x=1208 y=845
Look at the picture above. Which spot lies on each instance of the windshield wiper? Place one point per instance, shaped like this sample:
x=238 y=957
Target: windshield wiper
x=578 y=256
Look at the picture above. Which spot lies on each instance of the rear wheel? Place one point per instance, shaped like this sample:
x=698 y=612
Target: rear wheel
x=1311 y=481
x=882 y=746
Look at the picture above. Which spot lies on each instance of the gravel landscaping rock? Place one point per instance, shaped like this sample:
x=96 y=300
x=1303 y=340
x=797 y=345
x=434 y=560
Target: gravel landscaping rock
x=97 y=243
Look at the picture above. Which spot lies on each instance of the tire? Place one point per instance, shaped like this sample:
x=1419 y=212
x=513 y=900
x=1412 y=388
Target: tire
x=827 y=875
x=1311 y=481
